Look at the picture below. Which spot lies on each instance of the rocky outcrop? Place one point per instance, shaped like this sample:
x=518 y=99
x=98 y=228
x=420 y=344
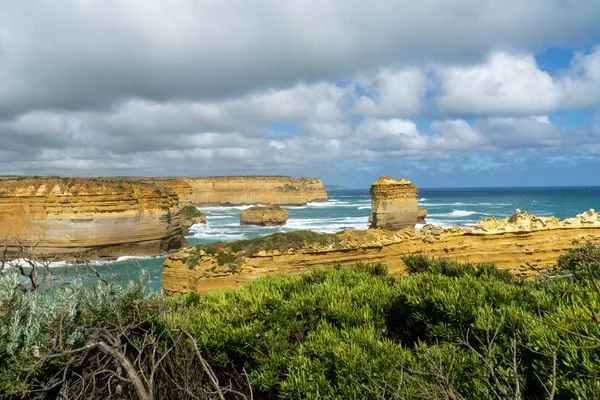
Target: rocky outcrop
x=514 y=244
x=421 y=215
x=272 y=215
x=394 y=203
x=190 y=215
x=314 y=188
x=245 y=190
x=88 y=217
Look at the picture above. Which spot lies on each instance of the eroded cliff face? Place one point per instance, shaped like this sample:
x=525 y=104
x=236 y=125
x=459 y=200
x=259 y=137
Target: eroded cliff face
x=394 y=203
x=512 y=244
x=242 y=190
x=89 y=217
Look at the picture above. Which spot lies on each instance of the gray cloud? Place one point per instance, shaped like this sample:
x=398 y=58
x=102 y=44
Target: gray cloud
x=324 y=88
x=81 y=55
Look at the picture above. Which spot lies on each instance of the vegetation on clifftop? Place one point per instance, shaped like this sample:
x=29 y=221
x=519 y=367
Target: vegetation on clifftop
x=449 y=330
x=190 y=212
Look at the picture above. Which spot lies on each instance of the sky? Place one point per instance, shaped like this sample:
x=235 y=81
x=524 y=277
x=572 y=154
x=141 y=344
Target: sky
x=461 y=93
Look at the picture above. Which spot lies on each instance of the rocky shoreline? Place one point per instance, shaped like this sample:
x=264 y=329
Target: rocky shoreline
x=522 y=243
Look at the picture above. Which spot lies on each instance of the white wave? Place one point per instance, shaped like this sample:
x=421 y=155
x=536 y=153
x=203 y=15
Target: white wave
x=422 y=199
x=456 y=213
x=127 y=258
x=218 y=217
x=330 y=204
x=462 y=213
x=222 y=236
x=363 y=207
x=221 y=209
x=326 y=225
x=464 y=204
x=26 y=262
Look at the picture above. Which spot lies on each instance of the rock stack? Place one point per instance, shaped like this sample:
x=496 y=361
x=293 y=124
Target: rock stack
x=394 y=203
x=272 y=215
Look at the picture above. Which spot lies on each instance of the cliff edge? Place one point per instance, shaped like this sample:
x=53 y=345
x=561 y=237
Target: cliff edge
x=512 y=243
x=245 y=190
x=88 y=218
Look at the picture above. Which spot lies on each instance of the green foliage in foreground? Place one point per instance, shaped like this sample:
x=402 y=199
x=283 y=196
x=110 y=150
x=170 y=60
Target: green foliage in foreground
x=449 y=330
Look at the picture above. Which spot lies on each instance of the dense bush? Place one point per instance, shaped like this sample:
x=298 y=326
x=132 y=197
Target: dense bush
x=582 y=262
x=449 y=330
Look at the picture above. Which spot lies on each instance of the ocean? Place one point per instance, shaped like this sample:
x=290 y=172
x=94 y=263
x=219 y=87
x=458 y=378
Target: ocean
x=350 y=209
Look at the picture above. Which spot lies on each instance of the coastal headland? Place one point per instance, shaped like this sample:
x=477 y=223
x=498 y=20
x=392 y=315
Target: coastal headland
x=523 y=243
x=88 y=217
x=245 y=190
x=94 y=218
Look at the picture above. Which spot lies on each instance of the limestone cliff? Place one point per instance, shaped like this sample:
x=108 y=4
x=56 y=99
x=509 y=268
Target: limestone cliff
x=89 y=217
x=272 y=215
x=394 y=203
x=245 y=190
x=240 y=190
x=512 y=244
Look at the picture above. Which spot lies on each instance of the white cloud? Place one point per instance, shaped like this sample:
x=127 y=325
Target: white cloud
x=83 y=55
x=581 y=85
x=514 y=85
x=196 y=87
x=394 y=93
x=504 y=84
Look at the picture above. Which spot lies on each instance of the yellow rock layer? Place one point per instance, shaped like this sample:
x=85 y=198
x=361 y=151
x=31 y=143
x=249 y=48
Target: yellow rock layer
x=394 y=203
x=261 y=215
x=88 y=217
x=245 y=190
x=521 y=247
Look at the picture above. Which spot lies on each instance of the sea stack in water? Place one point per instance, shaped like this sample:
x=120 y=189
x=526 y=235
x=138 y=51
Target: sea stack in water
x=394 y=203
x=190 y=215
x=272 y=215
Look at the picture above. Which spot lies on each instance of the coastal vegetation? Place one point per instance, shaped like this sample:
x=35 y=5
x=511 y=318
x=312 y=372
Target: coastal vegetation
x=190 y=212
x=449 y=330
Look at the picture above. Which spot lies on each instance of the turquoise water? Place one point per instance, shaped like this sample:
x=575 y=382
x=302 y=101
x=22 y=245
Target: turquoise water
x=350 y=209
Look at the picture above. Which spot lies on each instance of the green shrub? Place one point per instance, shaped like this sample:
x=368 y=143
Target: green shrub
x=449 y=330
x=225 y=258
x=583 y=262
x=420 y=263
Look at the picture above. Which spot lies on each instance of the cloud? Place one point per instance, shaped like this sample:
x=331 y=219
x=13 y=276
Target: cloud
x=514 y=85
x=505 y=84
x=393 y=93
x=202 y=88
x=89 y=55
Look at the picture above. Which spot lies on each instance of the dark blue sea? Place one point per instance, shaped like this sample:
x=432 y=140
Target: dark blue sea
x=350 y=209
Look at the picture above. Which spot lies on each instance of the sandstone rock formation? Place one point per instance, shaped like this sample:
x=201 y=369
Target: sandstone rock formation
x=245 y=190
x=421 y=215
x=89 y=218
x=272 y=215
x=394 y=203
x=190 y=215
x=534 y=246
